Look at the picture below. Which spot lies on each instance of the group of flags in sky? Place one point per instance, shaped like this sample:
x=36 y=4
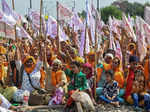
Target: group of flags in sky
x=9 y=20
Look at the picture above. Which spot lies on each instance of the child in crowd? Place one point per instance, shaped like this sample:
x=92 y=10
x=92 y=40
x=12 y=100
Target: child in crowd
x=110 y=90
x=58 y=98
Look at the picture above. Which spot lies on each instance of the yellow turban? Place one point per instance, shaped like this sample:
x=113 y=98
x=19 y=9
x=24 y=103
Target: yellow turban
x=79 y=59
x=2 y=50
x=132 y=44
x=27 y=58
x=91 y=53
x=68 y=42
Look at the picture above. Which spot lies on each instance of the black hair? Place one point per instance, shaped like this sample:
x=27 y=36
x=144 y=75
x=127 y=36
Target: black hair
x=116 y=58
x=109 y=51
x=75 y=63
x=133 y=59
x=110 y=73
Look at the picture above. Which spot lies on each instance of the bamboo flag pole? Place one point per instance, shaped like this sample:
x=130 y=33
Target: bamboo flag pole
x=13 y=6
x=96 y=44
x=57 y=40
x=85 y=42
x=30 y=4
x=41 y=10
x=86 y=26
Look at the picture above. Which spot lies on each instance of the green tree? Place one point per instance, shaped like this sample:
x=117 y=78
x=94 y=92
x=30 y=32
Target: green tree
x=82 y=14
x=110 y=11
x=134 y=9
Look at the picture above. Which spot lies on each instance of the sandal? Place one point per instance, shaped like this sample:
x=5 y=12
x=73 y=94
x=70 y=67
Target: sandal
x=117 y=106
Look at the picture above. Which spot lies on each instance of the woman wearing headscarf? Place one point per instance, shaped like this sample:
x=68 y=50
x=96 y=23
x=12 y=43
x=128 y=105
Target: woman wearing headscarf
x=74 y=55
x=29 y=73
x=57 y=75
x=50 y=55
x=91 y=58
x=118 y=77
x=131 y=48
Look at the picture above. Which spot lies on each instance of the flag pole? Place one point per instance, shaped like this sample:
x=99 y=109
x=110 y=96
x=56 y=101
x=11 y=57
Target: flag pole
x=57 y=40
x=74 y=5
x=96 y=44
x=85 y=42
x=13 y=6
x=86 y=31
x=30 y=4
x=41 y=10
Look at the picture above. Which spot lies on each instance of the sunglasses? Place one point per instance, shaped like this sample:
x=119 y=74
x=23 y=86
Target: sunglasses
x=116 y=63
x=29 y=61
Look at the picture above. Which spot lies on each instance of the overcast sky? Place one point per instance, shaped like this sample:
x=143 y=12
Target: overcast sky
x=22 y=6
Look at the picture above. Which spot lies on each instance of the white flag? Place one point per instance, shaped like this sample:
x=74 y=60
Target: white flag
x=128 y=27
x=142 y=47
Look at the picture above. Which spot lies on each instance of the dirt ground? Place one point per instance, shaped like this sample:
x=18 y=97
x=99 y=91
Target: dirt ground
x=60 y=108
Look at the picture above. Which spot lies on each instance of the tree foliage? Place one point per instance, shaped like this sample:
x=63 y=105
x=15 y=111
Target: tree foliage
x=119 y=6
x=110 y=11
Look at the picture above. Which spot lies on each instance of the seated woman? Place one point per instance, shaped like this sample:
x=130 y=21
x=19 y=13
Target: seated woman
x=139 y=95
x=29 y=73
x=118 y=76
x=110 y=90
